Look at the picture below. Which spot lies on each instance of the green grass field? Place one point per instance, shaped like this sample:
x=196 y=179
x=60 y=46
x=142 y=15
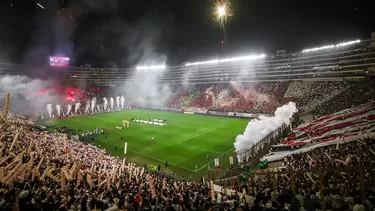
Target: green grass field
x=185 y=142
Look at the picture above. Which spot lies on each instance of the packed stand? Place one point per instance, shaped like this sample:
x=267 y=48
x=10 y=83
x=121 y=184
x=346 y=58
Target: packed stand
x=239 y=97
x=361 y=92
x=49 y=172
x=308 y=94
x=205 y=98
x=341 y=190
x=248 y=97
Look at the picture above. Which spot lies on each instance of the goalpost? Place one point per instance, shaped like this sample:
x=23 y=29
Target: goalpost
x=125 y=123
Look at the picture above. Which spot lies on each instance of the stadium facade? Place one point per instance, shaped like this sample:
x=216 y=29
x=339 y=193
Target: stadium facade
x=353 y=60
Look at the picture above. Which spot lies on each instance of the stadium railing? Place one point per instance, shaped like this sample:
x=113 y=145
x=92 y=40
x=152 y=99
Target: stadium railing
x=257 y=151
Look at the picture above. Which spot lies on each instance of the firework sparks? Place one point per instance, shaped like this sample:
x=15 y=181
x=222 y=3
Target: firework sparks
x=41 y=6
x=223 y=12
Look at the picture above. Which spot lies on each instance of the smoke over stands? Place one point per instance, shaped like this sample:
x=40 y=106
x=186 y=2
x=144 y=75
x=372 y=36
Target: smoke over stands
x=256 y=130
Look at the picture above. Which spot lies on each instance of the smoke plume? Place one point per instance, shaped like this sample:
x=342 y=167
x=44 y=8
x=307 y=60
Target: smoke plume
x=50 y=110
x=58 y=109
x=28 y=96
x=105 y=104
x=256 y=130
x=87 y=106
x=122 y=99
x=111 y=103
x=69 y=109
x=145 y=87
x=76 y=108
x=93 y=104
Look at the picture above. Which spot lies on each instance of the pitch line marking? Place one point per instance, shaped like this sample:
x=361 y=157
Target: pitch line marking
x=218 y=156
x=198 y=132
x=157 y=159
x=213 y=160
x=190 y=146
x=200 y=148
x=208 y=131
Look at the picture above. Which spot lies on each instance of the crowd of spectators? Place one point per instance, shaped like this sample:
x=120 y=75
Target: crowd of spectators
x=239 y=97
x=341 y=190
x=42 y=171
x=360 y=92
x=308 y=94
x=324 y=97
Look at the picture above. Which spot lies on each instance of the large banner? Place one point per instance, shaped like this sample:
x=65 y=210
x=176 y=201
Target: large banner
x=163 y=108
x=170 y=109
x=195 y=110
x=247 y=115
x=219 y=113
x=240 y=114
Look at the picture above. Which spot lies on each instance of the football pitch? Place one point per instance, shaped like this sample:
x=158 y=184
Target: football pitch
x=189 y=143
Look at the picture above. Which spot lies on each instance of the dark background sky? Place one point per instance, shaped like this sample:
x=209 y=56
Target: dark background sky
x=123 y=33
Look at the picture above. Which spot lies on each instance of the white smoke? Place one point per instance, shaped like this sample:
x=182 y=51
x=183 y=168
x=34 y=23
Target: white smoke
x=148 y=92
x=111 y=102
x=58 y=109
x=69 y=109
x=93 y=103
x=49 y=110
x=87 y=106
x=77 y=106
x=122 y=99
x=186 y=78
x=105 y=104
x=27 y=95
x=118 y=102
x=256 y=130
x=146 y=87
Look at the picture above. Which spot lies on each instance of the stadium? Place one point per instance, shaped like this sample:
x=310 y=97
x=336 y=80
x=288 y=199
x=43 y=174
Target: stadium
x=281 y=131
x=292 y=111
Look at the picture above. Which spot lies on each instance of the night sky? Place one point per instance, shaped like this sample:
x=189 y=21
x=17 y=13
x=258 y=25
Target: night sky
x=124 y=33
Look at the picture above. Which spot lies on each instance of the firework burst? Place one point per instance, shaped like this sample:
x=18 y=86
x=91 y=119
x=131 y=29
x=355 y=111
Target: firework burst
x=223 y=12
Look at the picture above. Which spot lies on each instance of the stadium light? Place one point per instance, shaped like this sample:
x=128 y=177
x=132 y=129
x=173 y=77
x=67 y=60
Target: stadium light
x=331 y=46
x=235 y=59
x=154 y=67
